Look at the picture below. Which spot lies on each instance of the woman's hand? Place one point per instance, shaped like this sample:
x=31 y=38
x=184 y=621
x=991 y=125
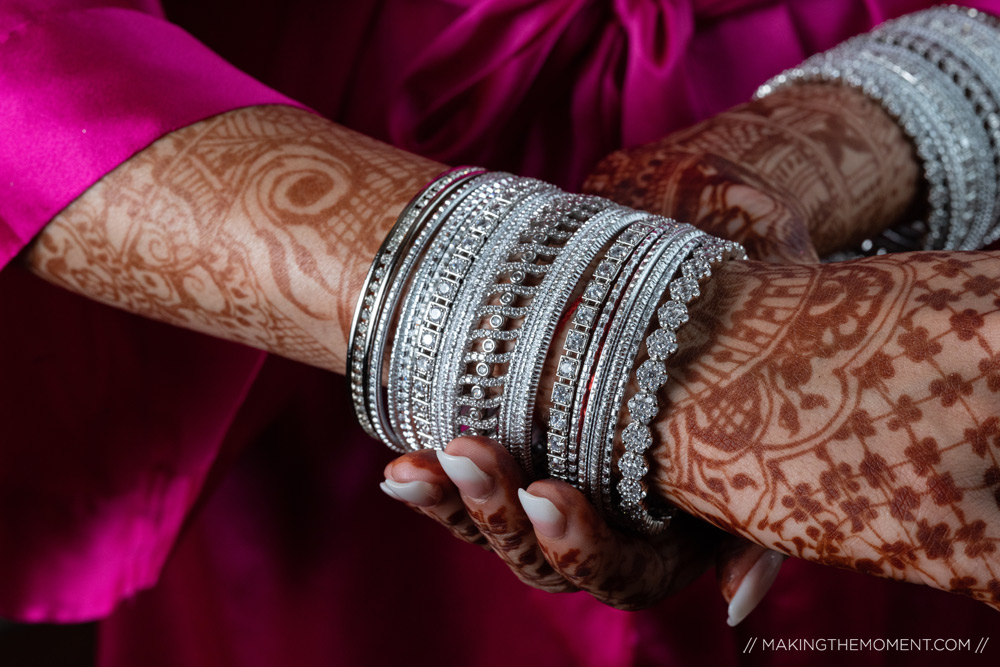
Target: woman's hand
x=554 y=540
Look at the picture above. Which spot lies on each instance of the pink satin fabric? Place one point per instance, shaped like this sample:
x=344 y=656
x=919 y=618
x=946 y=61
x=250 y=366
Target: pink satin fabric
x=134 y=454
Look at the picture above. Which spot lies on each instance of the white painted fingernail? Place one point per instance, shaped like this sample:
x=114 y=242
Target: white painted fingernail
x=544 y=515
x=467 y=476
x=421 y=494
x=754 y=586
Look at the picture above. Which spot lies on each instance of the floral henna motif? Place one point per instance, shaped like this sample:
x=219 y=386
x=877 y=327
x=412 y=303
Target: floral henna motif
x=256 y=226
x=844 y=414
x=811 y=161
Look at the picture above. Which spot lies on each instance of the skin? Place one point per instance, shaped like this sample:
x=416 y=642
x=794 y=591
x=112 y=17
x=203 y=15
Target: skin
x=256 y=226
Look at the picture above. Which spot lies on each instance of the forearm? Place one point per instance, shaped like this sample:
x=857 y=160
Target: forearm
x=255 y=226
x=847 y=414
x=821 y=155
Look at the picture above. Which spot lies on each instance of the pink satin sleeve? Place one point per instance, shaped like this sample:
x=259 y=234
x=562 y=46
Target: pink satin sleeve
x=111 y=426
x=81 y=90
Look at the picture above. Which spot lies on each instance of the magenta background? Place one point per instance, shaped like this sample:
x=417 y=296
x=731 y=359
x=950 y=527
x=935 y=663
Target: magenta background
x=133 y=453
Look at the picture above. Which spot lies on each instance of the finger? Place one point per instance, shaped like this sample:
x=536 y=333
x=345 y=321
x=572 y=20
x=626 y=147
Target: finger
x=620 y=569
x=418 y=480
x=745 y=572
x=488 y=479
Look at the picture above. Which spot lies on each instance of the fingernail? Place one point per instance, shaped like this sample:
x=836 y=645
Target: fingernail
x=544 y=515
x=421 y=494
x=469 y=479
x=754 y=586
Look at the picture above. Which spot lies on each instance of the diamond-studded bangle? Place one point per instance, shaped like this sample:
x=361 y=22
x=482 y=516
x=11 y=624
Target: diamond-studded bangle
x=525 y=370
x=406 y=357
x=972 y=178
x=439 y=296
x=918 y=115
x=450 y=405
x=578 y=352
x=615 y=367
x=388 y=271
x=966 y=48
x=536 y=259
x=651 y=375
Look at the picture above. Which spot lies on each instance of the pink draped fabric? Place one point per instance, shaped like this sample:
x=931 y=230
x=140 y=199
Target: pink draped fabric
x=133 y=454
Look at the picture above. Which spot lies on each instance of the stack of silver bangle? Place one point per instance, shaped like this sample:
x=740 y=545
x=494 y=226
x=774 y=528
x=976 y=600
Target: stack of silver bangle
x=936 y=73
x=465 y=298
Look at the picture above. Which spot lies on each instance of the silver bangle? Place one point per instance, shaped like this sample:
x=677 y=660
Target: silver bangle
x=967 y=50
x=446 y=281
x=405 y=358
x=614 y=370
x=561 y=444
x=931 y=72
x=651 y=374
x=379 y=293
x=448 y=400
x=525 y=369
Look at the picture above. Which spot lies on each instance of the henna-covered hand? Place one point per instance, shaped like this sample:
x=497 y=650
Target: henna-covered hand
x=847 y=414
x=473 y=490
x=806 y=171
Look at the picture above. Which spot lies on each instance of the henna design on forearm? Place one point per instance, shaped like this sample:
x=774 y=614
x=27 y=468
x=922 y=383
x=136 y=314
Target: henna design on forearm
x=847 y=414
x=817 y=163
x=256 y=226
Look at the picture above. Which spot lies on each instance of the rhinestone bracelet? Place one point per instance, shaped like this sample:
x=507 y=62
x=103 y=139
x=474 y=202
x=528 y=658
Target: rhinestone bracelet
x=448 y=400
x=406 y=357
x=525 y=371
x=954 y=42
x=593 y=366
x=973 y=194
x=926 y=69
x=447 y=279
